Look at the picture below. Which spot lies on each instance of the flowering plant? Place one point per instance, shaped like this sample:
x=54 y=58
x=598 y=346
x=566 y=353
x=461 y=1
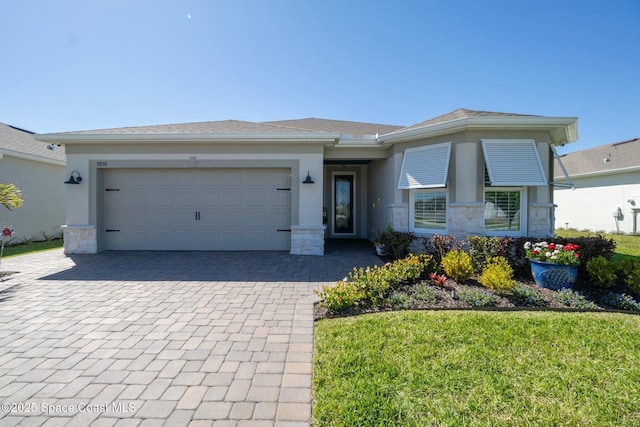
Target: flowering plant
x=553 y=253
x=7 y=232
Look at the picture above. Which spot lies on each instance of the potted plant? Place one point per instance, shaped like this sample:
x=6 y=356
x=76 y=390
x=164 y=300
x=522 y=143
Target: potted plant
x=553 y=266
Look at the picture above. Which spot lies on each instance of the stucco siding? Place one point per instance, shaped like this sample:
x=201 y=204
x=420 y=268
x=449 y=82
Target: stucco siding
x=591 y=205
x=43 y=211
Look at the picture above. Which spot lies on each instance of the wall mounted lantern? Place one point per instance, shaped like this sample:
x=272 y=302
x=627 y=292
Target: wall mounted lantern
x=308 y=179
x=75 y=178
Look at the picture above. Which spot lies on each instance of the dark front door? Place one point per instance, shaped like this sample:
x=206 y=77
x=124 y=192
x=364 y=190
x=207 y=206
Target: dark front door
x=343 y=207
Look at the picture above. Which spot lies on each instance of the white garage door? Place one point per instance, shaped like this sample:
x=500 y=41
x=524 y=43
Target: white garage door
x=197 y=209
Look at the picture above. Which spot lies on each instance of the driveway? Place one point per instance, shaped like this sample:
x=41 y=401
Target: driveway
x=163 y=338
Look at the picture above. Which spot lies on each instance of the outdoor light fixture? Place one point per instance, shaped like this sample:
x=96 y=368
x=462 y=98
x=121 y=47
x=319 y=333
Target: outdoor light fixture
x=308 y=179
x=75 y=178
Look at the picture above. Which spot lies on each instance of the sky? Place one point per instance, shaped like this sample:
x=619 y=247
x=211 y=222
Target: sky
x=92 y=64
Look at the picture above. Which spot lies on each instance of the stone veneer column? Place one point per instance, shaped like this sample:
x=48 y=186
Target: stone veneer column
x=540 y=215
x=307 y=240
x=80 y=239
x=466 y=219
x=398 y=216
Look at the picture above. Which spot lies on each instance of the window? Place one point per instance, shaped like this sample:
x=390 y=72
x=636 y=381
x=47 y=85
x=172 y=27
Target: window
x=428 y=211
x=513 y=162
x=503 y=211
x=425 y=167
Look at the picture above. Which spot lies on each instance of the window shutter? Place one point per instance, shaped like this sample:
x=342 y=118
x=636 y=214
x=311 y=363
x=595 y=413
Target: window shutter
x=425 y=167
x=513 y=162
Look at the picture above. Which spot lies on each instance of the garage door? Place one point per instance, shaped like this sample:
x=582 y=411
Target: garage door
x=197 y=209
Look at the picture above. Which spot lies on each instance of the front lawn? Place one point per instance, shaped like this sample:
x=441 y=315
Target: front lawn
x=26 y=248
x=448 y=368
x=626 y=245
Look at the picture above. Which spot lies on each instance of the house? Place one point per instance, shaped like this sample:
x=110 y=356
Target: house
x=288 y=185
x=607 y=188
x=39 y=172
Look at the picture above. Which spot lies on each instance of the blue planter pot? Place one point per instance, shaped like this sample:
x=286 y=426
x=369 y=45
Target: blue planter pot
x=553 y=276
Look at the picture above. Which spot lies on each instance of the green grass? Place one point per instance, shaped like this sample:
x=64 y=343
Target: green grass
x=447 y=368
x=627 y=246
x=26 y=248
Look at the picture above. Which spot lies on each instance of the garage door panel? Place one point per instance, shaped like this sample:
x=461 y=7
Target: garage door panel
x=204 y=209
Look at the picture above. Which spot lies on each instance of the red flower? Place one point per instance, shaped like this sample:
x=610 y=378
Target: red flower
x=552 y=246
x=535 y=252
x=6 y=231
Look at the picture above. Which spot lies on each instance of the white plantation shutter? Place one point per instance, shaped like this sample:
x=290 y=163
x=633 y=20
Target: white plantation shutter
x=425 y=167
x=513 y=162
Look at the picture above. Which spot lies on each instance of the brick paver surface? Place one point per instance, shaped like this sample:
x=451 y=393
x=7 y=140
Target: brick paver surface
x=162 y=338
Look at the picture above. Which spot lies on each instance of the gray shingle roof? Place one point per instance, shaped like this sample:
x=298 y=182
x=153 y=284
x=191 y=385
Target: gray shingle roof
x=20 y=141
x=311 y=125
x=223 y=126
x=609 y=157
x=357 y=129
x=460 y=113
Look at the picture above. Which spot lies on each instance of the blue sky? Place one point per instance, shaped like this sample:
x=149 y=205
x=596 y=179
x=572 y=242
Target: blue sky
x=75 y=65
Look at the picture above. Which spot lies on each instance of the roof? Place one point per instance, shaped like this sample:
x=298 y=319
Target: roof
x=562 y=129
x=356 y=129
x=223 y=126
x=609 y=158
x=462 y=113
x=22 y=143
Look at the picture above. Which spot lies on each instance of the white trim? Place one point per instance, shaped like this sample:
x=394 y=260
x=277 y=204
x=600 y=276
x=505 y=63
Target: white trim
x=354 y=213
x=523 y=212
x=412 y=227
x=513 y=162
x=80 y=138
x=32 y=157
x=425 y=167
x=630 y=169
x=563 y=130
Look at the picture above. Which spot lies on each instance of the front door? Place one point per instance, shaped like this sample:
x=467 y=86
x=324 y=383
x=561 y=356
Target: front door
x=344 y=215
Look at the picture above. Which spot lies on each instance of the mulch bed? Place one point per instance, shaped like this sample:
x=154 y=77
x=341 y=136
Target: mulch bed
x=446 y=301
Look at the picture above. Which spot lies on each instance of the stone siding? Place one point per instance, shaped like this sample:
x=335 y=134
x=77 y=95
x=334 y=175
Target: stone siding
x=398 y=215
x=80 y=239
x=307 y=240
x=540 y=220
x=466 y=219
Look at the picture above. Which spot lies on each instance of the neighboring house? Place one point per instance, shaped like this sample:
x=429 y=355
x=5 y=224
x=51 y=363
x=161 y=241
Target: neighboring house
x=39 y=173
x=607 y=188
x=288 y=185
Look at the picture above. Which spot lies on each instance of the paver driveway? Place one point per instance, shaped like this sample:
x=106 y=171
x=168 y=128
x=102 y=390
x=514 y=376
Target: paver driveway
x=162 y=338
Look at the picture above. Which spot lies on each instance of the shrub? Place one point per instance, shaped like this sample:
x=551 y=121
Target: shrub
x=482 y=249
x=498 y=275
x=396 y=243
x=425 y=293
x=400 y=300
x=412 y=267
x=524 y=295
x=339 y=297
x=438 y=246
x=574 y=299
x=372 y=282
x=457 y=265
x=476 y=298
x=621 y=301
x=601 y=272
x=630 y=270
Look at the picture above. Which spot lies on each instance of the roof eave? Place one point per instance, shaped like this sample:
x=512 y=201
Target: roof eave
x=563 y=130
x=71 y=138
x=630 y=169
x=32 y=157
